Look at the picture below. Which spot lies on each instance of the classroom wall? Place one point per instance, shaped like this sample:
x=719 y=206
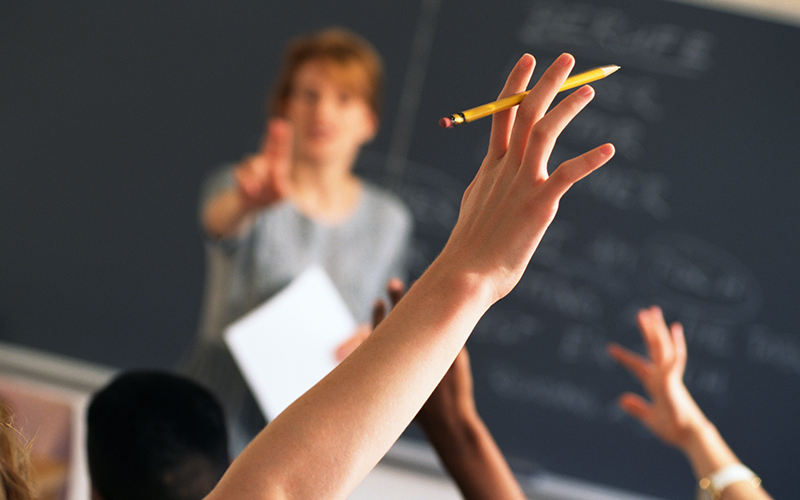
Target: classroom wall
x=782 y=11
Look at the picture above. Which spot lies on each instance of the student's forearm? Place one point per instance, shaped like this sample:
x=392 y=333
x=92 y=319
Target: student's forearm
x=329 y=439
x=708 y=452
x=471 y=456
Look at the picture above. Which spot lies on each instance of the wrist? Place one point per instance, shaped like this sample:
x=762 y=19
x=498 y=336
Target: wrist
x=462 y=284
x=706 y=450
x=700 y=430
x=712 y=486
x=225 y=214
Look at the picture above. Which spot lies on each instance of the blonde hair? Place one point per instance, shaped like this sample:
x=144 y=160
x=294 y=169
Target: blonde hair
x=350 y=59
x=14 y=461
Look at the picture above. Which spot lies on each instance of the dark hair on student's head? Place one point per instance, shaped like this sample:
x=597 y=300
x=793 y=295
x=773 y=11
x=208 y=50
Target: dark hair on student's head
x=153 y=435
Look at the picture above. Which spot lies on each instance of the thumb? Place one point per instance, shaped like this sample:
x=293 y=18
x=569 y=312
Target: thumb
x=636 y=406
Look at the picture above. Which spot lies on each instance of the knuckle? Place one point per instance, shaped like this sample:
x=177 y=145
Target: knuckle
x=541 y=133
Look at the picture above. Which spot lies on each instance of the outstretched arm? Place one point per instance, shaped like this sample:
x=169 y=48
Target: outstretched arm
x=324 y=444
x=671 y=414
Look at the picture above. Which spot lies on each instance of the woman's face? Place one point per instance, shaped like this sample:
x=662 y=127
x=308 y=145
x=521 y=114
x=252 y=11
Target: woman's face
x=331 y=121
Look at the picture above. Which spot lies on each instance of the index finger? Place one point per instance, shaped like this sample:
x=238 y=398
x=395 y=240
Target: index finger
x=276 y=145
x=503 y=121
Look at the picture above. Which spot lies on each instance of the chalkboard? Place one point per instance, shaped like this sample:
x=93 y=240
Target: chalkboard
x=112 y=114
x=698 y=213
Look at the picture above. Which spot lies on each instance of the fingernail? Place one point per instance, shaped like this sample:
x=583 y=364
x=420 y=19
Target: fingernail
x=526 y=61
x=564 y=60
x=585 y=91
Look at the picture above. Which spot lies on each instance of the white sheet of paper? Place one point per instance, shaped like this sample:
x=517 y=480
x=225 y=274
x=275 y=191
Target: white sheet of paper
x=287 y=344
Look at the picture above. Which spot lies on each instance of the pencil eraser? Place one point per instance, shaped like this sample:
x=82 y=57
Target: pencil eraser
x=445 y=122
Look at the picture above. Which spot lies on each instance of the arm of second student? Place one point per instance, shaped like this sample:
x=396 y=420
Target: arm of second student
x=327 y=441
x=463 y=442
x=456 y=431
x=260 y=180
x=672 y=414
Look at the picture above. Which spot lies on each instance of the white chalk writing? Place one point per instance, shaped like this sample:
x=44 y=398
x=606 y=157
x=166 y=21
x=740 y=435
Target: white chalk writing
x=657 y=47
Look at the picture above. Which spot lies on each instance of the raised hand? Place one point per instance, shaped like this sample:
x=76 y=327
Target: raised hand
x=512 y=200
x=671 y=413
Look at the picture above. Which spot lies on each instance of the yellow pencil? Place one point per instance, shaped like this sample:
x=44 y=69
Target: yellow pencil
x=508 y=102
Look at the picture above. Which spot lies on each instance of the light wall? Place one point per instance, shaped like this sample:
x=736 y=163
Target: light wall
x=785 y=11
